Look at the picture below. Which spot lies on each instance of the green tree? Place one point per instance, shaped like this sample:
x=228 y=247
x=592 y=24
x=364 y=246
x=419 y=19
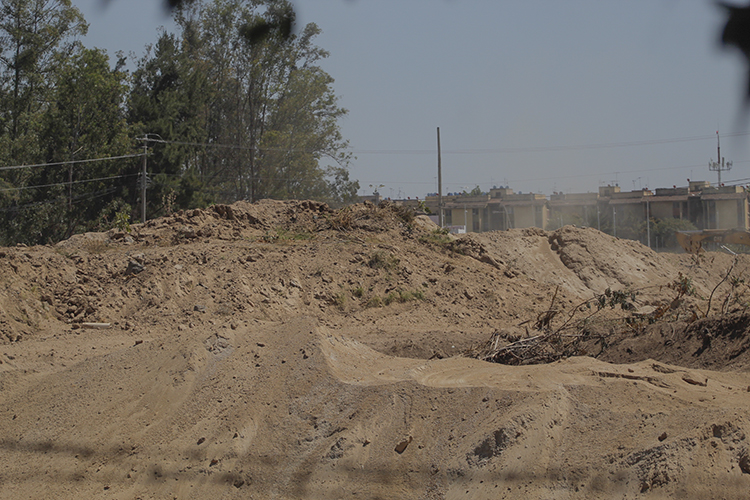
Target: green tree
x=32 y=35
x=170 y=98
x=84 y=119
x=237 y=80
x=665 y=229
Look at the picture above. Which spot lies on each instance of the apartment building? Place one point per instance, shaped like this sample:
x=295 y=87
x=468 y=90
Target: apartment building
x=498 y=210
x=610 y=209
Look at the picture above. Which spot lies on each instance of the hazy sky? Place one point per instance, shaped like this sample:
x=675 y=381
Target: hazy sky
x=541 y=95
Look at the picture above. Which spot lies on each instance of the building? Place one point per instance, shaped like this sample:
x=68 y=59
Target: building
x=575 y=208
x=725 y=207
x=626 y=214
x=498 y=210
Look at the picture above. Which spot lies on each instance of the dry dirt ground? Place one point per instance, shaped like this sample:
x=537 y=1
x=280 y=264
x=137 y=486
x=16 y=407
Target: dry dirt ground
x=284 y=350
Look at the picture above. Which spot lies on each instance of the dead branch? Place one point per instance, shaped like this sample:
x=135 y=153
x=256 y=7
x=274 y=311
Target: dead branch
x=710 y=297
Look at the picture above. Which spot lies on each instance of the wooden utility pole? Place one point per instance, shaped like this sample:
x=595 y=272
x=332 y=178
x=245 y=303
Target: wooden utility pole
x=440 y=184
x=143 y=181
x=648 y=223
x=70 y=188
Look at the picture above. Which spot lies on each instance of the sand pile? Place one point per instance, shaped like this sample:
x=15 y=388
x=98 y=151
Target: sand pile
x=286 y=350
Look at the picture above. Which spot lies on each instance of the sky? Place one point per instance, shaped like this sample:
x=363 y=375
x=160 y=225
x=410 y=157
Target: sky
x=539 y=95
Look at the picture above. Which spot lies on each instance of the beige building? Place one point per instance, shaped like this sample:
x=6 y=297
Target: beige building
x=707 y=207
x=610 y=209
x=498 y=210
x=574 y=208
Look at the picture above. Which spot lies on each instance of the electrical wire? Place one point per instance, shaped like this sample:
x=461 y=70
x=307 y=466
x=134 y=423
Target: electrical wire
x=530 y=149
x=67 y=183
x=71 y=162
x=61 y=200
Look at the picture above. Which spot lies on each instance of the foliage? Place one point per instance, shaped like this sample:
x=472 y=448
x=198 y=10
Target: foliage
x=34 y=34
x=234 y=105
x=438 y=237
x=60 y=102
x=342 y=220
x=477 y=191
x=122 y=221
x=613 y=298
x=374 y=301
x=563 y=340
x=264 y=98
x=403 y=212
x=383 y=260
x=395 y=297
x=683 y=285
x=339 y=300
x=665 y=229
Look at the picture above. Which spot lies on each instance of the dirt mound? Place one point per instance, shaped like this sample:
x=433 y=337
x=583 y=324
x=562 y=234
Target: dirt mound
x=715 y=343
x=586 y=261
x=287 y=350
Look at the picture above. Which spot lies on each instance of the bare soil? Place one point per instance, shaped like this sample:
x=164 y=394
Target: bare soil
x=287 y=350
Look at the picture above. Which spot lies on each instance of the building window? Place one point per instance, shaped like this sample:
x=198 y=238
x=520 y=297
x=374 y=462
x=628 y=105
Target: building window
x=448 y=216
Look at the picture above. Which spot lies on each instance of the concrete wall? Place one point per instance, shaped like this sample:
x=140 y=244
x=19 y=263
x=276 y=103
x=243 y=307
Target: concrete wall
x=726 y=214
x=662 y=210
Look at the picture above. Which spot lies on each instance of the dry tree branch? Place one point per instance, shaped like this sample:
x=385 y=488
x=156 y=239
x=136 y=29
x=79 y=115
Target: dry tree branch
x=710 y=297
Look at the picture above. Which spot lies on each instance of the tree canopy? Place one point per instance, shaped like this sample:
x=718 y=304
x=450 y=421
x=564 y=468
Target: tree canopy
x=259 y=115
x=233 y=105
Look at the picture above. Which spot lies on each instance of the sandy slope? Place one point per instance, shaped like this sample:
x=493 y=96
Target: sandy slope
x=248 y=360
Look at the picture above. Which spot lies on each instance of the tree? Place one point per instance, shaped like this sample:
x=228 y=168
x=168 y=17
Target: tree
x=170 y=98
x=84 y=119
x=664 y=230
x=32 y=35
x=261 y=104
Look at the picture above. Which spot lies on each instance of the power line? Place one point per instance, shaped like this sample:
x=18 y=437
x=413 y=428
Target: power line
x=15 y=167
x=384 y=151
x=67 y=183
x=530 y=149
x=203 y=144
x=542 y=179
x=77 y=199
x=543 y=149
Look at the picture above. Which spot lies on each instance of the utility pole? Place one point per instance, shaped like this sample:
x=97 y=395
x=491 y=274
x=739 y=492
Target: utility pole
x=70 y=188
x=70 y=179
x=143 y=181
x=614 y=222
x=719 y=165
x=648 y=224
x=144 y=174
x=441 y=220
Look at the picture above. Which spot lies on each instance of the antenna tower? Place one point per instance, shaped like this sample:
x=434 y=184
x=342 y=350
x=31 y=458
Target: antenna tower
x=719 y=165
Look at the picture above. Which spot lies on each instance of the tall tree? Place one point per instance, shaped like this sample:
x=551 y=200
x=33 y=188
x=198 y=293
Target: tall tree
x=169 y=100
x=84 y=119
x=32 y=34
x=268 y=111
